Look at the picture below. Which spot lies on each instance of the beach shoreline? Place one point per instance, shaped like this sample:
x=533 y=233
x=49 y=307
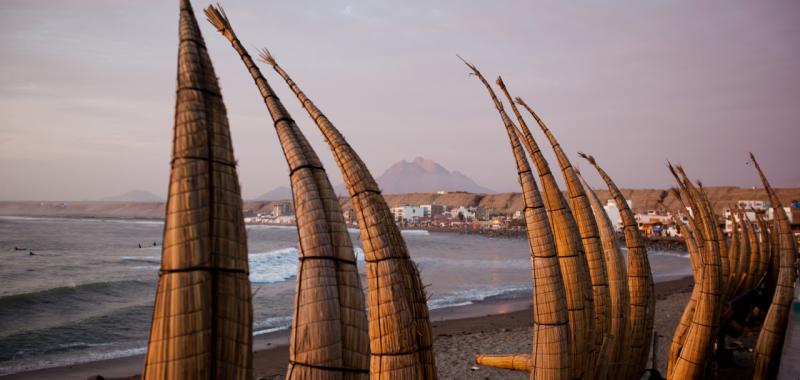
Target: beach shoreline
x=460 y=333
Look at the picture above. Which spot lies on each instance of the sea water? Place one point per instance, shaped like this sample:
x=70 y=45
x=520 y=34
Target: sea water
x=87 y=291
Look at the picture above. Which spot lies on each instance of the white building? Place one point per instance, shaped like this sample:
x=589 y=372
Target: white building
x=613 y=212
x=407 y=213
x=751 y=204
x=467 y=213
x=769 y=214
x=431 y=210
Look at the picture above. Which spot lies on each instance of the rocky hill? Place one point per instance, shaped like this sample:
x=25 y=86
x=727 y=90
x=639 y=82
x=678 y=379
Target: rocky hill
x=422 y=175
x=643 y=200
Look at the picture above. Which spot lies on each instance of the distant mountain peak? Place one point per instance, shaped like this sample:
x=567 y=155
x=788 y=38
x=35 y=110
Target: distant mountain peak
x=277 y=194
x=424 y=175
x=134 y=196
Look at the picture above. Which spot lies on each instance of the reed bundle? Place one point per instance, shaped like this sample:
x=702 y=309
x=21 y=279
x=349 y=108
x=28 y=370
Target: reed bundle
x=695 y=245
x=551 y=356
x=328 y=337
x=640 y=282
x=400 y=333
x=581 y=210
x=691 y=349
x=617 y=286
x=202 y=318
x=574 y=268
x=518 y=362
x=770 y=340
x=755 y=252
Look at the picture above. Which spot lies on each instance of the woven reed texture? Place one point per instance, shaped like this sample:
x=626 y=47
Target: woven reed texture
x=400 y=333
x=574 y=268
x=678 y=338
x=329 y=335
x=692 y=361
x=518 y=362
x=617 y=286
x=744 y=255
x=689 y=194
x=202 y=318
x=695 y=247
x=551 y=352
x=587 y=228
x=775 y=255
x=755 y=250
x=551 y=355
x=770 y=340
x=640 y=283
x=734 y=251
x=715 y=229
x=764 y=249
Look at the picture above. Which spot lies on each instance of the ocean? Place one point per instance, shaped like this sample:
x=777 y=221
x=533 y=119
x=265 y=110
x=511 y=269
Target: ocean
x=87 y=291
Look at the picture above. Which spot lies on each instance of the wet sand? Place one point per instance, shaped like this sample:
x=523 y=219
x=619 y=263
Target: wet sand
x=498 y=326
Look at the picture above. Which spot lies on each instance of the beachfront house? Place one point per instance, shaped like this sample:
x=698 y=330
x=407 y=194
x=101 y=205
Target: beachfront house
x=407 y=213
x=282 y=209
x=467 y=213
x=430 y=211
x=653 y=223
x=613 y=213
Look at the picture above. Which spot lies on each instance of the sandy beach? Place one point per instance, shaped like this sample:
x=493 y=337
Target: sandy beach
x=499 y=326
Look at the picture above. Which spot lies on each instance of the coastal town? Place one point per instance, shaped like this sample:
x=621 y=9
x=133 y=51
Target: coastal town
x=653 y=223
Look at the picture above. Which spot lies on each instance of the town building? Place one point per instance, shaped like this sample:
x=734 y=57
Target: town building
x=282 y=209
x=407 y=213
x=432 y=210
x=613 y=213
x=467 y=213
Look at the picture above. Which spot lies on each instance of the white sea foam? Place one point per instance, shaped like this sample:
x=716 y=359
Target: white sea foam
x=265 y=267
x=404 y=232
x=273 y=266
x=468 y=297
x=272 y=324
x=415 y=232
x=270 y=227
x=668 y=253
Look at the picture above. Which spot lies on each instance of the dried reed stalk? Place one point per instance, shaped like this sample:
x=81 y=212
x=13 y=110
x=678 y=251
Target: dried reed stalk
x=329 y=337
x=574 y=267
x=581 y=210
x=640 y=282
x=400 y=333
x=617 y=286
x=770 y=340
x=695 y=353
x=202 y=318
x=551 y=356
x=744 y=254
x=695 y=247
x=734 y=251
x=764 y=248
x=518 y=362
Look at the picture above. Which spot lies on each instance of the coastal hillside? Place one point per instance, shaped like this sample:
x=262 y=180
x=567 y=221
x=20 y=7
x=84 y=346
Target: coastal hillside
x=134 y=196
x=276 y=194
x=643 y=200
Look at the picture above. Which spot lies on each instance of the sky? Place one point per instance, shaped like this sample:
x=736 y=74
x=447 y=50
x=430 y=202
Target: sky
x=87 y=88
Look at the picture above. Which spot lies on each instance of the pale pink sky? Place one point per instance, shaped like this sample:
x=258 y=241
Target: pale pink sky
x=87 y=88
